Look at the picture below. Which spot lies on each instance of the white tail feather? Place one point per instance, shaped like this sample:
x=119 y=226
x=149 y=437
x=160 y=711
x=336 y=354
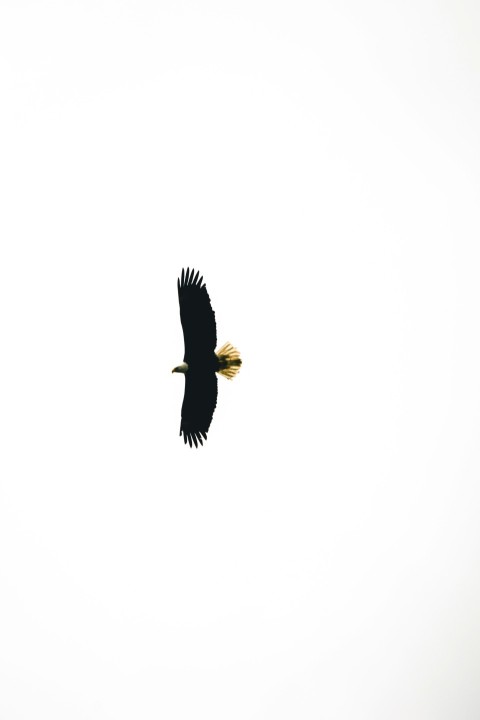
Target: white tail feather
x=229 y=360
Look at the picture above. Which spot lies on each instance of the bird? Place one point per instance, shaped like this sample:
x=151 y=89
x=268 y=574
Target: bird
x=200 y=363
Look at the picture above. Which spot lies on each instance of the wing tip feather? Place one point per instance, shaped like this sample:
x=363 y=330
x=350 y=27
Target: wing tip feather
x=194 y=437
x=190 y=278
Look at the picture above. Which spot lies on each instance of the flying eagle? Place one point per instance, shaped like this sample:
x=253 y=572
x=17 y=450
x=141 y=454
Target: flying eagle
x=200 y=362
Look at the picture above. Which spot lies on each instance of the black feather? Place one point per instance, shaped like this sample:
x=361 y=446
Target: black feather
x=200 y=338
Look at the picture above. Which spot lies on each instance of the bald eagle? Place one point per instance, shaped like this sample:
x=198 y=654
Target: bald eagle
x=200 y=362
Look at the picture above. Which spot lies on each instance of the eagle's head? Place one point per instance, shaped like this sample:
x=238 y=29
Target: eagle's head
x=181 y=368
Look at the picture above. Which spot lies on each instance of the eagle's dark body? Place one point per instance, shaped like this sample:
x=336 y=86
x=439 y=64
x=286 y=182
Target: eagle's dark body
x=201 y=363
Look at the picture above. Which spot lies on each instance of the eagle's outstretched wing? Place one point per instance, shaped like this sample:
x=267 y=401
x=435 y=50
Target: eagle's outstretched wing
x=199 y=403
x=197 y=316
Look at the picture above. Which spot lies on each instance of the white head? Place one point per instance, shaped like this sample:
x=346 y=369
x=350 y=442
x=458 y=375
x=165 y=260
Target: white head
x=181 y=368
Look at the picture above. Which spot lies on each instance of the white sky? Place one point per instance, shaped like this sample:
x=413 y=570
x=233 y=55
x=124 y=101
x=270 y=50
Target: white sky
x=319 y=163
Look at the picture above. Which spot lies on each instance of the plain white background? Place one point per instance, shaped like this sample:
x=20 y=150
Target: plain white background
x=319 y=163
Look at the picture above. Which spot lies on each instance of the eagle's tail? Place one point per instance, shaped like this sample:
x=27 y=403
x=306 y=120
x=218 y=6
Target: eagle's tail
x=229 y=361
